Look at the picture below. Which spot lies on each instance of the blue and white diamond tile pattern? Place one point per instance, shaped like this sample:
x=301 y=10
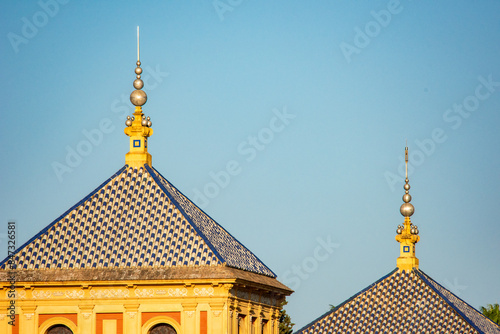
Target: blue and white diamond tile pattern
x=468 y=311
x=229 y=250
x=130 y=221
x=402 y=302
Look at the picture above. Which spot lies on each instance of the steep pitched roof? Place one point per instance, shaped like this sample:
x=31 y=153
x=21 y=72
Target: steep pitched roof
x=135 y=219
x=403 y=302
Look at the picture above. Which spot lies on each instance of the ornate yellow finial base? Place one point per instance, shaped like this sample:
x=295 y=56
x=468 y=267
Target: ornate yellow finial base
x=138 y=131
x=138 y=160
x=407 y=240
x=407 y=263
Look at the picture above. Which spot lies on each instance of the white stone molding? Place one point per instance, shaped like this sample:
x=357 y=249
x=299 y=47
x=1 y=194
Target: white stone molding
x=203 y=292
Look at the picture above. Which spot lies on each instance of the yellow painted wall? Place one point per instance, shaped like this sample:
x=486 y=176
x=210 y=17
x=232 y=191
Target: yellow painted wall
x=135 y=307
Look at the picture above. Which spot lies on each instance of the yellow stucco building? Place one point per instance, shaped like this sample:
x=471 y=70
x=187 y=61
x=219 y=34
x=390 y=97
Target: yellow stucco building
x=136 y=256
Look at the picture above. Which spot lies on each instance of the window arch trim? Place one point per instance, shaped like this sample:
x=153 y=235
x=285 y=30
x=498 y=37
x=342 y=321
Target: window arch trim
x=148 y=325
x=47 y=324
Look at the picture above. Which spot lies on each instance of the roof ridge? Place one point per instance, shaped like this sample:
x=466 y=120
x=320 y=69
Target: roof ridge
x=191 y=222
x=432 y=283
x=121 y=170
x=181 y=209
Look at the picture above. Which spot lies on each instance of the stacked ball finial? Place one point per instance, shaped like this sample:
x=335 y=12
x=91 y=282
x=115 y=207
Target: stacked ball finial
x=407 y=208
x=407 y=234
x=138 y=97
x=138 y=126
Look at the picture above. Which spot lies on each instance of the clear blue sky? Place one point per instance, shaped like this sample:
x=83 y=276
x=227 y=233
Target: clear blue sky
x=350 y=83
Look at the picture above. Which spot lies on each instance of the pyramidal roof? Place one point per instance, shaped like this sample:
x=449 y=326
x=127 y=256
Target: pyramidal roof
x=136 y=218
x=404 y=301
x=138 y=222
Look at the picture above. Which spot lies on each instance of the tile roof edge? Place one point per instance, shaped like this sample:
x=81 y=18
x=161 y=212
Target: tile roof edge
x=427 y=279
x=157 y=274
x=346 y=301
x=154 y=174
x=4 y=261
x=203 y=236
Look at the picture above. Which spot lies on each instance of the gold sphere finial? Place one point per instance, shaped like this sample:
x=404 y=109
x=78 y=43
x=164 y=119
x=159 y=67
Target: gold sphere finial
x=138 y=97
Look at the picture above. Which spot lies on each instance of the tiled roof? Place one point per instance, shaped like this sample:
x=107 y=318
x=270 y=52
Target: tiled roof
x=135 y=219
x=403 y=302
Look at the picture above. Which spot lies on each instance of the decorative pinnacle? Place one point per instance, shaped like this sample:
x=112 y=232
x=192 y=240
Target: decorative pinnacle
x=407 y=208
x=138 y=97
x=138 y=126
x=407 y=234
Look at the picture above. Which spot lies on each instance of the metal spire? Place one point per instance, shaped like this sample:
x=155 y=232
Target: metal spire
x=407 y=208
x=407 y=234
x=138 y=126
x=138 y=96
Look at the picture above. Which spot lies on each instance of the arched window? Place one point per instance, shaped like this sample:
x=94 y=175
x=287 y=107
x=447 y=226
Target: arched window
x=59 y=329
x=162 y=329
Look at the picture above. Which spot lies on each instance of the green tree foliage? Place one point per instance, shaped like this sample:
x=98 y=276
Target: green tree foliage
x=286 y=324
x=492 y=312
